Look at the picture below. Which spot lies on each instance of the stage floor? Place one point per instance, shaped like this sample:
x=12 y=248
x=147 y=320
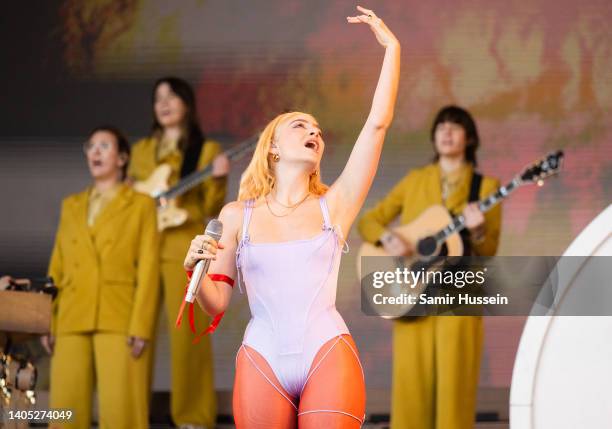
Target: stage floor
x=484 y=425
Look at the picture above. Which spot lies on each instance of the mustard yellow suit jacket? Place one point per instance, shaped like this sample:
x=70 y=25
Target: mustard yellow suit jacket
x=107 y=274
x=202 y=202
x=420 y=189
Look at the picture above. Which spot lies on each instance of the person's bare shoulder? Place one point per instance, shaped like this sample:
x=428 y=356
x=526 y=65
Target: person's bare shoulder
x=231 y=216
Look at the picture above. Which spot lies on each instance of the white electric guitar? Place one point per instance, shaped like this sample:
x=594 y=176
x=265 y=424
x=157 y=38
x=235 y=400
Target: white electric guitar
x=169 y=214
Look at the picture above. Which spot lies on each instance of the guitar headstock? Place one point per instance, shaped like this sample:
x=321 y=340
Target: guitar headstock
x=542 y=169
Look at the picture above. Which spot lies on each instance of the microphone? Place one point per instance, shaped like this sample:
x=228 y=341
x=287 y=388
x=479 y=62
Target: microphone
x=214 y=229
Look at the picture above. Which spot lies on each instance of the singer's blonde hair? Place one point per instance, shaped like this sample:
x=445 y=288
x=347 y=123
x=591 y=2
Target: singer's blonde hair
x=258 y=178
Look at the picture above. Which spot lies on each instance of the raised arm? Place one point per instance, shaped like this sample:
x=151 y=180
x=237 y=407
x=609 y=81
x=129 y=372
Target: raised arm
x=347 y=194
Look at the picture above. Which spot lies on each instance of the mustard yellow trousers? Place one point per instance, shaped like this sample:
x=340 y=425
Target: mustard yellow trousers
x=193 y=399
x=100 y=360
x=436 y=363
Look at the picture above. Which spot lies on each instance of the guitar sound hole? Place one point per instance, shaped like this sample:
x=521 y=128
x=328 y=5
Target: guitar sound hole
x=427 y=246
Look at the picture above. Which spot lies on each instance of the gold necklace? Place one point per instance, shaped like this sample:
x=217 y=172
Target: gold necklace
x=293 y=208
x=289 y=207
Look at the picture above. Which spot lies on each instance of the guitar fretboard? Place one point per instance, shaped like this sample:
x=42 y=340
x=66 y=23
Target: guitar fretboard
x=458 y=222
x=195 y=178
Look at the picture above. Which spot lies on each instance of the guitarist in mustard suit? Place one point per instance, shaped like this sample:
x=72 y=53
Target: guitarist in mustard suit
x=436 y=360
x=178 y=142
x=105 y=262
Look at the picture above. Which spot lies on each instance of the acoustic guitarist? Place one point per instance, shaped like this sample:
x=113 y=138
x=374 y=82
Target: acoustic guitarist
x=178 y=141
x=436 y=360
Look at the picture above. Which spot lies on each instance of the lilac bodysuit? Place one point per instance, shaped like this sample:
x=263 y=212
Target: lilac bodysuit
x=291 y=288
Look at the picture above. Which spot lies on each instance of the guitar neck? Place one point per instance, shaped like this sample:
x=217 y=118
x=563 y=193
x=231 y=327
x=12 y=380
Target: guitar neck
x=458 y=222
x=193 y=179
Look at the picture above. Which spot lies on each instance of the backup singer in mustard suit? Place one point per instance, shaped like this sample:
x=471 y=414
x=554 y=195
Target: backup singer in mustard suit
x=105 y=262
x=436 y=360
x=177 y=140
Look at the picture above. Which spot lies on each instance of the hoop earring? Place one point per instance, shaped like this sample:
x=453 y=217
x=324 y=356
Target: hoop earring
x=275 y=157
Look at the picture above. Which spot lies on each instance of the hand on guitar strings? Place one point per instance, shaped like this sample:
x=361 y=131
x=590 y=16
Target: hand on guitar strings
x=220 y=166
x=395 y=245
x=474 y=221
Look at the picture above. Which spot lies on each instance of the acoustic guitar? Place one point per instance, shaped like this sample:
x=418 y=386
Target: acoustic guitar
x=435 y=232
x=169 y=214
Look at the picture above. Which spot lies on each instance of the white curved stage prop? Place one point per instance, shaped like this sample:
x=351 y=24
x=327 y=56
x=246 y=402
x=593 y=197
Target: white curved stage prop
x=562 y=375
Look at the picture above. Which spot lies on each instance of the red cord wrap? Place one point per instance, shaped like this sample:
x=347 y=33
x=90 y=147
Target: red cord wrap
x=217 y=318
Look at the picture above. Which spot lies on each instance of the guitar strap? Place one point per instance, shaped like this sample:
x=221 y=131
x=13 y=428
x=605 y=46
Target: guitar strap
x=475 y=183
x=191 y=157
x=475 y=187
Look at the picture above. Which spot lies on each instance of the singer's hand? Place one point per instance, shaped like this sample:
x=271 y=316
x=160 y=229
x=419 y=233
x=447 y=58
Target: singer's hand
x=202 y=247
x=384 y=36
